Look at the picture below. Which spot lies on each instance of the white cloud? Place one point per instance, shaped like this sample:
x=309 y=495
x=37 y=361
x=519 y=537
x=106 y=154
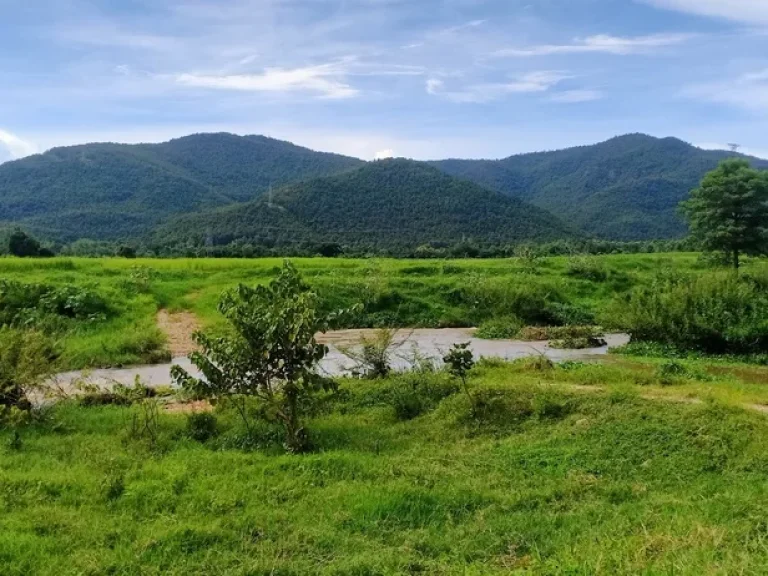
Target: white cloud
x=13 y=147
x=575 y=96
x=383 y=154
x=604 y=43
x=479 y=93
x=746 y=11
x=327 y=80
x=749 y=91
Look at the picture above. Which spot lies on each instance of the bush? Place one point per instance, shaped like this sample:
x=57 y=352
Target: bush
x=202 y=426
x=373 y=355
x=25 y=360
x=417 y=392
x=48 y=307
x=715 y=314
x=504 y=328
x=586 y=268
x=532 y=302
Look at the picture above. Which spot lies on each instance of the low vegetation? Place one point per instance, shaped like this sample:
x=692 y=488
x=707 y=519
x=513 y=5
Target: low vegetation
x=103 y=311
x=559 y=469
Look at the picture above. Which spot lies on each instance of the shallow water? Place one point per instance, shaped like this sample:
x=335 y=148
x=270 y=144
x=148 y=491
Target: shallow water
x=430 y=343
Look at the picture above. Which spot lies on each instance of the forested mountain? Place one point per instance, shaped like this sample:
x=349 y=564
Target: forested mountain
x=111 y=191
x=386 y=204
x=626 y=188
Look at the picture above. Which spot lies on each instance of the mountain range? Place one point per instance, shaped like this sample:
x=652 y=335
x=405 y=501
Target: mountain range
x=222 y=187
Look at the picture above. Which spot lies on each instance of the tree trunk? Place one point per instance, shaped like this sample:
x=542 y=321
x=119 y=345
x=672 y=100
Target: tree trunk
x=736 y=262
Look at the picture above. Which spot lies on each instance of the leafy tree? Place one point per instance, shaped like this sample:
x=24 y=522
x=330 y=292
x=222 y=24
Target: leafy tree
x=126 y=252
x=330 y=250
x=729 y=211
x=23 y=245
x=270 y=353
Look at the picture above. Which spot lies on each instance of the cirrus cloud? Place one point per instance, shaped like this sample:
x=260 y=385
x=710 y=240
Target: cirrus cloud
x=603 y=43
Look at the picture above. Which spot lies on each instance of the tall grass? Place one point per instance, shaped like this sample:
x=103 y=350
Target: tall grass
x=715 y=313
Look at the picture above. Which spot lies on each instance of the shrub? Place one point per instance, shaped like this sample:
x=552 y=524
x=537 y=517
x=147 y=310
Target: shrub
x=373 y=355
x=531 y=302
x=565 y=314
x=48 y=307
x=416 y=392
x=670 y=372
x=504 y=328
x=586 y=268
x=269 y=354
x=202 y=426
x=25 y=360
x=717 y=313
x=459 y=361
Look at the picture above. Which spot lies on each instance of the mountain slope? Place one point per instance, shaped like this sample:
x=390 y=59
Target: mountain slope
x=626 y=188
x=392 y=204
x=111 y=191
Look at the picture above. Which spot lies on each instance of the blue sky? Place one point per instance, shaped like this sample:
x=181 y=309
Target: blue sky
x=415 y=78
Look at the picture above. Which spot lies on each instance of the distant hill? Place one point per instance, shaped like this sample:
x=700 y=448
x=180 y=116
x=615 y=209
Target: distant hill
x=386 y=204
x=112 y=191
x=626 y=188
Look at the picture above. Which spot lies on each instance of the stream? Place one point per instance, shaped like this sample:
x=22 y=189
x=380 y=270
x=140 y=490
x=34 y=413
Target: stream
x=428 y=342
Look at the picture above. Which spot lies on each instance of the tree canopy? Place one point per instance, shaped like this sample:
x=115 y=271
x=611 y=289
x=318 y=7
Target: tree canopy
x=728 y=212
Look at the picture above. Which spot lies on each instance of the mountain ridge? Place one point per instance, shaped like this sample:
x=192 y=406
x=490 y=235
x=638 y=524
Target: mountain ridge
x=398 y=204
x=625 y=188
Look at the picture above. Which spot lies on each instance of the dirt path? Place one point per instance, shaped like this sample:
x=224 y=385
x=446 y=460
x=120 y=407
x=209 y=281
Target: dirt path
x=179 y=327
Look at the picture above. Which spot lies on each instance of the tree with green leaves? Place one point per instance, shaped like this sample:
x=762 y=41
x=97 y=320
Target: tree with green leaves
x=270 y=353
x=728 y=212
x=23 y=245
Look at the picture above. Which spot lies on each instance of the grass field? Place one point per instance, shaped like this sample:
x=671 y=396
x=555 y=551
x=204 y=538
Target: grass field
x=578 y=469
x=402 y=293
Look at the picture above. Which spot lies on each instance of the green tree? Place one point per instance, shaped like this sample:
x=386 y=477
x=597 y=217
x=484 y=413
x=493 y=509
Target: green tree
x=728 y=212
x=23 y=245
x=270 y=354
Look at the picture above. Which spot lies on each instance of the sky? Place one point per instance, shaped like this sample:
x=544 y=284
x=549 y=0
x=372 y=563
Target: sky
x=425 y=79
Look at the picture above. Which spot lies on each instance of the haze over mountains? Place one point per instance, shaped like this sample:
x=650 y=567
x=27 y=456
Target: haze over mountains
x=211 y=187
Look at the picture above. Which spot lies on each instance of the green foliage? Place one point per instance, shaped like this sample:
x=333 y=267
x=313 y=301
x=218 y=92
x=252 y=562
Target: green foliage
x=395 y=205
x=627 y=188
x=586 y=268
x=202 y=426
x=23 y=245
x=548 y=480
x=373 y=354
x=504 y=328
x=25 y=360
x=459 y=361
x=116 y=191
x=126 y=252
x=728 y=212
x=270 y=353
x=718 y=313
x=47 y=307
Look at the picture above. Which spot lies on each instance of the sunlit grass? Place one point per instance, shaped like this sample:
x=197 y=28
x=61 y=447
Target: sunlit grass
x=608 y=483
x=403 y=293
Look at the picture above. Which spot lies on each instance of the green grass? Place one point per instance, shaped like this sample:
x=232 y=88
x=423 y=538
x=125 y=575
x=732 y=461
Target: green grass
x=402 y=293
x=579 y=469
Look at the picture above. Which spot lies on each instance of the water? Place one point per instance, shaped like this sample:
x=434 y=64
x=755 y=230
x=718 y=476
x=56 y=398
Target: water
x=432 y=343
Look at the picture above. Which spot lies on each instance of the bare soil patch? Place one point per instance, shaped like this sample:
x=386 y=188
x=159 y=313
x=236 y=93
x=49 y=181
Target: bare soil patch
x=179 y=327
